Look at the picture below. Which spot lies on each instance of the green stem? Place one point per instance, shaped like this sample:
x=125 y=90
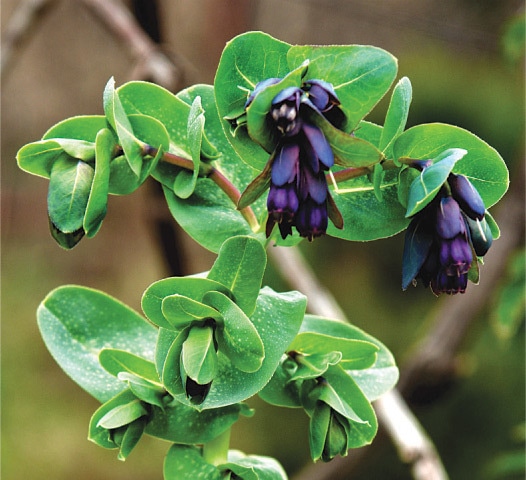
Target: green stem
x=216 y=176
x=215 y=452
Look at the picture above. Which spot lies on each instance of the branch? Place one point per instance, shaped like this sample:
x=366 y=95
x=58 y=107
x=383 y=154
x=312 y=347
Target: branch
x=410 y=439
x=151 y=62
x=20 y=25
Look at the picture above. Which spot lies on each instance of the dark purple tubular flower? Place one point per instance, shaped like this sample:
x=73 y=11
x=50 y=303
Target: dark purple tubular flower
x=299 y=196
x=443 y=239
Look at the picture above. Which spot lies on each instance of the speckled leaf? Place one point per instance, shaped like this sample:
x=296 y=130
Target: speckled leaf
x=115 y=361
x=263 y=468
x=76 y=323
x=184 y=462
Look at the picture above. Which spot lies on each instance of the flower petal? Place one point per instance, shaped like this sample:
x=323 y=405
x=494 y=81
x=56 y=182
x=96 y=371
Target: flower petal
x=319 y=144
x=286 y=164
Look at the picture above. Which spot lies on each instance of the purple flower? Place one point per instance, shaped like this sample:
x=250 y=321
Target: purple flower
x=444 y=238
x=299 y=196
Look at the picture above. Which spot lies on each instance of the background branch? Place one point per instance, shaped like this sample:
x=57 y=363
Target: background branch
x=150 y=62
x=21 y=24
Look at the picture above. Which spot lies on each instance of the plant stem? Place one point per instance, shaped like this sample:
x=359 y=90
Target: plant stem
x=213 y=174
x=215 y=452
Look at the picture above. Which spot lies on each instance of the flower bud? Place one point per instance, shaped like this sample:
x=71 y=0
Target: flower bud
x=467 y=196
x=481 y=236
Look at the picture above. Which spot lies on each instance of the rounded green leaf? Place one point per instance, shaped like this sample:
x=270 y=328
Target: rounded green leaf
x=38 y=157
x=68 y=194
x=237 y=337
x=118 y=119
x=76 y=323
x=98 y=197
x=122 y=414
x=184 y=462
x=426 y=186
x=246 y=60
x=360 y=75
x=240 y=267
x=191 y=287
x=482 y=165
x=373 y=381
x=355 y=354
x=115 y=361
x=264 y=468
x=232 y=385
x=82 y=127
x=366 y=218
x=180 y=311
x=198 y=355
x=208 y=216
x=131 y=437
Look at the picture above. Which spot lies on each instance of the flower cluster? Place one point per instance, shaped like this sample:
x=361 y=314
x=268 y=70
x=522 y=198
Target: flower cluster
x=299 y=195
x=444 y=238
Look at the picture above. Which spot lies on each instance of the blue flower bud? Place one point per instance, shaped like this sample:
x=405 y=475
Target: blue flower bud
x=467 y=196
x=285 y=111
x=311 y=219
x=481 y=236
x=260 y=86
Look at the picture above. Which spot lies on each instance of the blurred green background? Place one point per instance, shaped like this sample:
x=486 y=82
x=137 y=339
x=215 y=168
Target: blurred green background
x=461 y=74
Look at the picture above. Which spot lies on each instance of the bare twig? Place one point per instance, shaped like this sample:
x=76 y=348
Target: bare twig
x=410 y=439
x=23 y=19
x=151 y=62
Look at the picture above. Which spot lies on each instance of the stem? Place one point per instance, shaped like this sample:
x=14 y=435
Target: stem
x=213 y=174
x=215 y=452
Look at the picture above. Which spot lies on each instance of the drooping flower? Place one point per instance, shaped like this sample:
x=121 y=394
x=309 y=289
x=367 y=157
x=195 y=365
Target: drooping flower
x=444 y=238
x=299 y=196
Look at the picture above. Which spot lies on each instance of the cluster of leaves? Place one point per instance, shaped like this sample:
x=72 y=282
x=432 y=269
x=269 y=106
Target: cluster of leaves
x=214 y=340
x=228 y=335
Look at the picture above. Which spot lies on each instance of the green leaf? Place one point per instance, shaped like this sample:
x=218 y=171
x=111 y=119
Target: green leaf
x=199 y=355
x=116 y=361
x=98 y=197
x=191 y=287
x=355 y=354
x=149 y=99
x=122 y=414
x=482 y=165
x=100 y=435
x=185 y=181
x=118 y=119
x=237 y=337
x=426 y=186
x=349 y=394
x=373 y=381
x=68 y=194
x=76 y=323
x=38 y=157
x=185 y=462
x=82 y=127
x=240 y=267
x=208 y=216
x=364 y=217
x=349 y=150
x=315 y=365
x=319 y=427
x=264 y=468
x=145 y=390
x=131 y=437
x=360 y=75
x=246 y=60
x=232 y=385
x=180 y=311
x=183 y=424
x=397 y=113
x=170 y=360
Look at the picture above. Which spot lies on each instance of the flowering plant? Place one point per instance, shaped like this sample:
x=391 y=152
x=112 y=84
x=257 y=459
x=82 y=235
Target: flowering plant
x=290 y=120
